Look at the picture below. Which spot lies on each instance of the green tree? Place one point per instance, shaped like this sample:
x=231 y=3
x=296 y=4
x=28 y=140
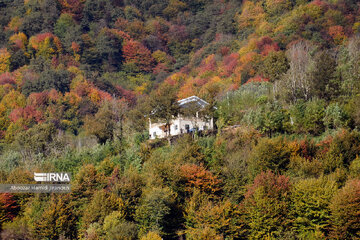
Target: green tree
x=117 y=228
x=335 y=117
x=36 y=140
x=267 y=205
x=107 y=122
x=275 y=65
x=269 y=118
x=270 y=154
x=349 y=67
x=314 y=116
x=164 y=105
x=87 y=182
x=57 y=219
x=343 y=149
x=64 y=22
x=153 y=211
x=310 y=205
x=48 y=79
x=151 y=236
x=67 y=30
x=100 y=206
x=323 y=74
x=276 y=8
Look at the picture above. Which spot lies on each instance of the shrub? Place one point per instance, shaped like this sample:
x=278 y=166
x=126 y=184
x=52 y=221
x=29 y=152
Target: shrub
x=269 y=118
x=335 y=117
x=354 y=168
x=153 y=211
x=117 y=228
x=101 y=205
x=313 y=117
x=342 y=150
x=151 y=236
x=267 y=205
x=270 y=154
x=303 y=168
x=345 y=208
x=205 y=218
x=310 y=205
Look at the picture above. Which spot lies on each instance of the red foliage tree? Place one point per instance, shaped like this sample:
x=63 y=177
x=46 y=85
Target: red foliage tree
x=337 y=34
x=115 y=33
x=135 y=52
x=7 y=78
x=8 y=207
x=53 y=95
x=274 y=186
x=29 y=114
x=81 y=90
x=160 y=67
x=266 y=45
x=104 y=96
x=208 y=64
x=129 y=95
x=257 y=79
x=307 y=149
x=224 y=51
x=229 y=63
x=64 y=59
x=38 y=99
x=121 y=23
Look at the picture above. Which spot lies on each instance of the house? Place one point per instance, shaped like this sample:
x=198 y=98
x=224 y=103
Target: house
x=192 y=119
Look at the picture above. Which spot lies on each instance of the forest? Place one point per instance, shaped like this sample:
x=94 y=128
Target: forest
x=79 y=78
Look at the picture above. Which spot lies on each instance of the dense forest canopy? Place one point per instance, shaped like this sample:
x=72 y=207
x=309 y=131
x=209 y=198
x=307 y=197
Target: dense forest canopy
x=282 y=78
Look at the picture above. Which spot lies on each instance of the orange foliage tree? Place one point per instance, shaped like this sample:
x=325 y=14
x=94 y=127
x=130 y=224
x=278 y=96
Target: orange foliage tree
x=135 y=53
x=196 y=176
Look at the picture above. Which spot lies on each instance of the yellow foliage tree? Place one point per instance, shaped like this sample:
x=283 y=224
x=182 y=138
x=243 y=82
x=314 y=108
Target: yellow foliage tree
x=14 y=24
x=251 y=16
x=19 y=40
x=45 y=44
x=151 y=236
x=4 y=60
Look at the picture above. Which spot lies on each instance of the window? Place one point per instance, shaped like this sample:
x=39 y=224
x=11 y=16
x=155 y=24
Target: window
x=187 y=127
x=154 y=134
x=176 y=127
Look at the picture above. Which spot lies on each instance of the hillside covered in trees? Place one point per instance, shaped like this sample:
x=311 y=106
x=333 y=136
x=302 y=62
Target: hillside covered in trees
x=79 y=77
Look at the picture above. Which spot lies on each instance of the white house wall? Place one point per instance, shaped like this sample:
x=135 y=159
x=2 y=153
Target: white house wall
x=181 y=126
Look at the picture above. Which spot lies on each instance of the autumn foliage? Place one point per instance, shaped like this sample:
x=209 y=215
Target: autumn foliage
x=8 y=207
x=199 y=178
x=136 y=53
x=79 y=80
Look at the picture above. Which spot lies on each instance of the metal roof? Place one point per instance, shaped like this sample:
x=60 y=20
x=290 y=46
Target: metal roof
x=191 y=99
x=188 y=100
